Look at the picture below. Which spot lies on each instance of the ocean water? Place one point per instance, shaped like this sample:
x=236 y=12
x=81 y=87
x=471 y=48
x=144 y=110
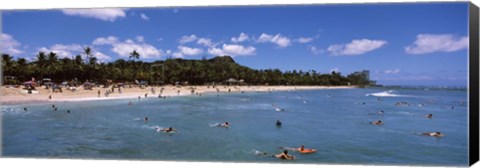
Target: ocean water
x=335 y=122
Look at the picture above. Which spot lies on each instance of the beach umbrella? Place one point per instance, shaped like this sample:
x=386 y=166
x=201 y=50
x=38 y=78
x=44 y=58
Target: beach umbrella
x=29 y=83
x=231 y=80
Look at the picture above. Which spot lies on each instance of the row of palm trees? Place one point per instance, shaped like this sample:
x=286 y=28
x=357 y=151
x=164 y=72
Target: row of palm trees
x=198 y=72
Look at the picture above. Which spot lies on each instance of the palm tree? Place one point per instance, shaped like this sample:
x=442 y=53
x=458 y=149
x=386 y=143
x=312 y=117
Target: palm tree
x=88 y=52
x=92 y=60
x=41 y=59
x=51 y=64
x=41 y=63
x=7 y=64
x=134 y=55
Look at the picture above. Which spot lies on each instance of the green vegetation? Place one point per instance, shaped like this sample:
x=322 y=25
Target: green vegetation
x=195 y=72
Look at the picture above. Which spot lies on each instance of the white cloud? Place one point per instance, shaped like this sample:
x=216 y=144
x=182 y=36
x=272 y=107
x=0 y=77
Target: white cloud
x=146 y=51
x=232 y=50
x=315 y=50
x=102 y=14
x=430 y=43
x=187 y=51
x=103 y=41
x=304 y=40
x=391 y=71
x=124 y=48
x=206 y=42
x=356 y=47
x=102 y=57
x=278 y=39
x=64 y=51
x=140 y=39
x=144 y=17
x=9 y=45
x=187 y=39
x=241 y=38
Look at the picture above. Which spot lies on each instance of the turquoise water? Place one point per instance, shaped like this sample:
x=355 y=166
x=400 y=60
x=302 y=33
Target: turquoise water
x=335 y=122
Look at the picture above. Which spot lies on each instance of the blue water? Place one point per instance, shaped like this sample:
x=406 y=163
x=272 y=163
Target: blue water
x=335 y=122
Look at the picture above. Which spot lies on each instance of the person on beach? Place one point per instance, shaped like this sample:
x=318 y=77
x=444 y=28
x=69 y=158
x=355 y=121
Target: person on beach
x=378 y=122
x=50 y=97
x=284 y=155
x=98 y=93
x=433 y=134
x=278 y=123
x=429 y=116
x=146 y=94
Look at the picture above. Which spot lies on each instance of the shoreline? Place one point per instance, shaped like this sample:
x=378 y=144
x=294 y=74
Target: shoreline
x=13 y=96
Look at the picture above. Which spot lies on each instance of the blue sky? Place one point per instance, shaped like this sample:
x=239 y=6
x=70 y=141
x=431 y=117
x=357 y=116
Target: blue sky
x=401 y=44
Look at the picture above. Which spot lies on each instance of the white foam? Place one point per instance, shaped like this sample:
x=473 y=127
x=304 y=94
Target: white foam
x=388 y=93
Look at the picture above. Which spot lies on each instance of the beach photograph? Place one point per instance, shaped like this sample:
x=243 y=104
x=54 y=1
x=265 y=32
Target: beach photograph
x=318 y=84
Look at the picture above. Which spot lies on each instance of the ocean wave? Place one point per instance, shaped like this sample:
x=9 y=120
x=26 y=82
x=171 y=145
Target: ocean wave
x=389 y=93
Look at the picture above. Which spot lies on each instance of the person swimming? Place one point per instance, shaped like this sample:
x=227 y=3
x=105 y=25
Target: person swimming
x=278 y=123
x=25 y=109
x=55 y=109
x=433 y=134
x=167 y=130
x=380 y=112
x=429 y=116
x=68 y=111
x=284 y=155
x=378 y=122
x=226 y=124
x=146 y=119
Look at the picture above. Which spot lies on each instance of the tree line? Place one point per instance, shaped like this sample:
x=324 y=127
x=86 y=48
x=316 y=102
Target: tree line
x=170 y=71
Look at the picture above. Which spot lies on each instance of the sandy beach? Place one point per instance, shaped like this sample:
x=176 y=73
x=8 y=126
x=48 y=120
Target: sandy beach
x=11 y=95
